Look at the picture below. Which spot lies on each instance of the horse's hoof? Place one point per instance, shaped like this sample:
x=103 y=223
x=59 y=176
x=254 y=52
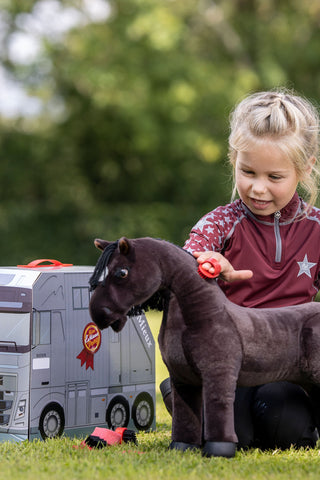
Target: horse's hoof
x=182 y=446
x=219 y=449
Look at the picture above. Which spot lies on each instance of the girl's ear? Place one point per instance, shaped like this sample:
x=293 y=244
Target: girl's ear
x=310 y=164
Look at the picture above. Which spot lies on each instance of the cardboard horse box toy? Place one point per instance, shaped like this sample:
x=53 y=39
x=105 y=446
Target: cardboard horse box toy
x=58 y=373
x=209 y=344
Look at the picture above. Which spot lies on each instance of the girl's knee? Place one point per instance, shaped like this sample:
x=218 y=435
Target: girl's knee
x=283 y=416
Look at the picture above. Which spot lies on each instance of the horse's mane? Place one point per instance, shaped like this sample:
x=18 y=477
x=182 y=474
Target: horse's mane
x=101 y=265
x=156 y=302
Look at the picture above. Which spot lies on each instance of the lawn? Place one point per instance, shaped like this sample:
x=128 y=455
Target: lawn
x=151 y=459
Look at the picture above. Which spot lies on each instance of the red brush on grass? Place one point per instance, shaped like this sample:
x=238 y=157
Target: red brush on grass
x=102 y=437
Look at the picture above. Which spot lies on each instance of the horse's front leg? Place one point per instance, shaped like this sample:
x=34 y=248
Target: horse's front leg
x=218 y=393
x=218 y=361
x=186 y=416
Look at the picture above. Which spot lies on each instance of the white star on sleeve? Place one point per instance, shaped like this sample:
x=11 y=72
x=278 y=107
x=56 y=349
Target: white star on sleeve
x=201 y=224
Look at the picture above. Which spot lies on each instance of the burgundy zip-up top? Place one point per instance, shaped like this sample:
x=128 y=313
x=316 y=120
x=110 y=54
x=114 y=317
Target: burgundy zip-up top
x=281 y=249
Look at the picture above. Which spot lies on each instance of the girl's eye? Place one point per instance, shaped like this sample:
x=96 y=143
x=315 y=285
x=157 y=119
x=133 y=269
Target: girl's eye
x=275 y=177
x=122 y=273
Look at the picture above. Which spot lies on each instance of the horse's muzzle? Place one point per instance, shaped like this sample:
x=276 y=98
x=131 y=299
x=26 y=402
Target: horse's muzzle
x=104 y=317
x=101 y=315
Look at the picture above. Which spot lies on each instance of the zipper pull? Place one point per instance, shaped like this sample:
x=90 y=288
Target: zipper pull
x=278 y=256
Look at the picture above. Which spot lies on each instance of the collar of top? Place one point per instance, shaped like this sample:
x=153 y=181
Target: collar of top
x=286 y=215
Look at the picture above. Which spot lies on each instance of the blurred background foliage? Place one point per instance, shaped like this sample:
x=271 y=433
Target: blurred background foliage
x=131 y=134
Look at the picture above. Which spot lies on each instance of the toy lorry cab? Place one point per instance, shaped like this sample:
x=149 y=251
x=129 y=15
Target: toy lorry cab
x=58 y=372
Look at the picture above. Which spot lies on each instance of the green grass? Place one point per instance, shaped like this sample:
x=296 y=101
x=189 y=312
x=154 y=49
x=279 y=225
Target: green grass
x=57 y=459
x=151 y=459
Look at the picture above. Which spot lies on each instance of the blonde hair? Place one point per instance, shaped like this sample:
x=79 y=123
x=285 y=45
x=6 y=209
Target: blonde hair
x=290 y=121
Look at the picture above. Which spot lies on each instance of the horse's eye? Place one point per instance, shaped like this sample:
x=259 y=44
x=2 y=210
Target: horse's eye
x=122 y=273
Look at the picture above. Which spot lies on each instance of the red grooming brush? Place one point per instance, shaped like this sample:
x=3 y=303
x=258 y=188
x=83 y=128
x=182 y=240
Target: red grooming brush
x=101 y=437
x=205 y=273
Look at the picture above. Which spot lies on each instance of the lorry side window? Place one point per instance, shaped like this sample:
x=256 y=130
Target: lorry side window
x=41 y=331
x=45 y=330
x=80 y=298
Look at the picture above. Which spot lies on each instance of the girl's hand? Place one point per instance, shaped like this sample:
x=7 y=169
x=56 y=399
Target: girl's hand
x=228 y=273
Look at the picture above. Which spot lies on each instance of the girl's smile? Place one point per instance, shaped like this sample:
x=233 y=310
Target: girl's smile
x=260 y=204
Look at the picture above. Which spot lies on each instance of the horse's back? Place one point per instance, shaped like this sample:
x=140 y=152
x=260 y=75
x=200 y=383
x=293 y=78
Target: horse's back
x=310 y=347
x=279 y=343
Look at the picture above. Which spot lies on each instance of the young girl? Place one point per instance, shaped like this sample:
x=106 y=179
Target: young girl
x=267 y=244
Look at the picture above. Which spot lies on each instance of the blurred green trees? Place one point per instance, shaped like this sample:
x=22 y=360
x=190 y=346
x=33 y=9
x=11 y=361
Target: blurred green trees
x=132 y=137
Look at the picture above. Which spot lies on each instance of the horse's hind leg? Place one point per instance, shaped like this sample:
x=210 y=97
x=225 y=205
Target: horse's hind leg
x=186 y=417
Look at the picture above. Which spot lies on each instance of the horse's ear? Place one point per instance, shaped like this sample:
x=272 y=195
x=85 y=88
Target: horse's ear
x=101 y=244
x=124 y=245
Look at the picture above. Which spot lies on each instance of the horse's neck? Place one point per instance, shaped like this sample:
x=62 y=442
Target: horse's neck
x=194 y=294
x=198 y=297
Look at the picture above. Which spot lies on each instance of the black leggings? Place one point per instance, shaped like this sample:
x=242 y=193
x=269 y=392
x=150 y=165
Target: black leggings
x=275 y=415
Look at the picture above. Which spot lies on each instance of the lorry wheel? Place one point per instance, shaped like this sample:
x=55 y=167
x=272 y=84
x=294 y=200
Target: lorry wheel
x=51 y=423
x=143 y=411
x=118 y=412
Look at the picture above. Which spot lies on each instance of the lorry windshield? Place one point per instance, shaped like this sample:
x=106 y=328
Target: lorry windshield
x=14 y=331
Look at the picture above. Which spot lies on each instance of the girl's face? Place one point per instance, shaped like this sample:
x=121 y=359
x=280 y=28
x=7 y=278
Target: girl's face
x=266 y=179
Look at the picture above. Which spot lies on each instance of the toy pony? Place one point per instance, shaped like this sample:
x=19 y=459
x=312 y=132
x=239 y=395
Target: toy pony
x=209 y=344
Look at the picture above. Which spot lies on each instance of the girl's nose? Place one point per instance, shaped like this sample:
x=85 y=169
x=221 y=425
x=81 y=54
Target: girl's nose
x=259 y=186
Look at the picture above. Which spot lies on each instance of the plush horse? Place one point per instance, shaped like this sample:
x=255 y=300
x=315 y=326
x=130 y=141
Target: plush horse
x=209 y=344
